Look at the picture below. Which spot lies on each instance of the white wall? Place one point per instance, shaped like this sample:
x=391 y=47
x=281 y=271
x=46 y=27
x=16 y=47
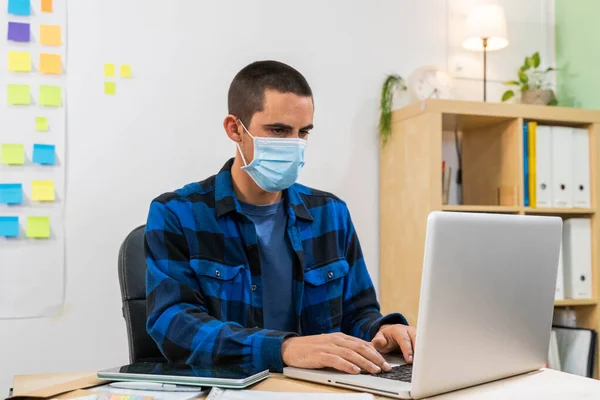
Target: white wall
x=163 y=129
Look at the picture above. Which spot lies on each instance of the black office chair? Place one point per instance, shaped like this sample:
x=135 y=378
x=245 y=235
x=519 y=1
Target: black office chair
x=132 y=279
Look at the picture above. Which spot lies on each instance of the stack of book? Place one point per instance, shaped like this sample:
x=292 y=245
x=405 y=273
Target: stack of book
x=556 y=166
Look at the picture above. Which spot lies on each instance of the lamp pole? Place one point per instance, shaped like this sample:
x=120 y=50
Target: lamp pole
x=485 y=43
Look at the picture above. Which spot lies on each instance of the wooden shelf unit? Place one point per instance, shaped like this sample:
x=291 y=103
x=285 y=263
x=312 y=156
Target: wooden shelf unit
x=492 y=157
x=575 y=302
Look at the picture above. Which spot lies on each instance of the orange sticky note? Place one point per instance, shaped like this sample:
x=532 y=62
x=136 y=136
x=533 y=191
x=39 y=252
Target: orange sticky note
x=50 y=64
x=47 y=6
x=50 y=35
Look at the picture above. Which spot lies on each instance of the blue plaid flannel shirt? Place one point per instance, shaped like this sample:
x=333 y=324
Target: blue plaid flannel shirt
x=203 y=283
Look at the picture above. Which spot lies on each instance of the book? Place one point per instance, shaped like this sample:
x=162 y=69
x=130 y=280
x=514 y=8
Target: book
x=446 y=175
x=531 y=133
x=553 y=353
x=525 y=164
x=577 y=350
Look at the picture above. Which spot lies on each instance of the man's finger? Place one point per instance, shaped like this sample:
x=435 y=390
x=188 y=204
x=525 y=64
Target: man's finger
x=337 y=362
x=412 y=332
x=380 y=342
x=369 y=352
x=355 y=358
x=403 y=339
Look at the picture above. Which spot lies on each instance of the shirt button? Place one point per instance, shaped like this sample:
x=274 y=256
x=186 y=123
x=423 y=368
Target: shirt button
x=217 y=273
x=330 y=275
x=254 y=288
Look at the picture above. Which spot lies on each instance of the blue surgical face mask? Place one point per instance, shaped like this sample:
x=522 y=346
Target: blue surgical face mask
x=277 y=162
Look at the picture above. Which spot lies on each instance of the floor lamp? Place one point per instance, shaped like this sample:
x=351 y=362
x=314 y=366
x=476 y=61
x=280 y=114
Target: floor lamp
x=485 y=31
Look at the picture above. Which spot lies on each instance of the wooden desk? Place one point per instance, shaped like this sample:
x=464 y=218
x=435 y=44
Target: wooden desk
x=545 y=384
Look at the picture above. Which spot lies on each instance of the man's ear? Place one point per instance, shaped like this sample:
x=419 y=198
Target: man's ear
x=232 y=129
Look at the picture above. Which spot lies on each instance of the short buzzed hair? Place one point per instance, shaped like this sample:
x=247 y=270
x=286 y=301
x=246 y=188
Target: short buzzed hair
x=247 y=91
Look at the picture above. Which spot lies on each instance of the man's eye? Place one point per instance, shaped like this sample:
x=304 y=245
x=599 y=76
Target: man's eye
x=304 y=134
x=278 y=131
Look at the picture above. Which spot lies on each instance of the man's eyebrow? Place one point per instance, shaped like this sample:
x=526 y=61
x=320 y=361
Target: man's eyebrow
x=281 y=125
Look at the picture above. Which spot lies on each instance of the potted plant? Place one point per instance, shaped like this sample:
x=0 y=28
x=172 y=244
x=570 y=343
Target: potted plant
x=390 y=85
x=532 y=83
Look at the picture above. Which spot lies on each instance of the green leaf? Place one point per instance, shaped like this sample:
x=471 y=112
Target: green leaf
x=515 y=83
x=509 y=94
x=526 y=65
x=550 y=69
x=525 y=87
x=536 y=59
x=523 y=78
x=387 y=99
x=553 y=102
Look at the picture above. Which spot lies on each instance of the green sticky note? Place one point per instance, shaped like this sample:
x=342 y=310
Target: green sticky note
x=13 y=154
x=110 y=88
x=41 y=124
x=50 y=96
x=18 y=95
x=38 y=227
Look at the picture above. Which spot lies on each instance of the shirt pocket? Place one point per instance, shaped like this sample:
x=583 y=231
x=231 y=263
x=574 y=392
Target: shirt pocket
x=324 y=297
x=220 y=284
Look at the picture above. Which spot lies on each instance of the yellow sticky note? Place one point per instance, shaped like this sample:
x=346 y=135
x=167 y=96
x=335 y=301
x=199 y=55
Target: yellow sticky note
x=38 y=227
x=109 y=69
x=50 y=35
x=50 y=64
x=41 y=124
x=13 y=154
x=50 y=96
x=125 y=71
x=110 y=88
x=42 y=190
x=18 y=95
x=19 y=61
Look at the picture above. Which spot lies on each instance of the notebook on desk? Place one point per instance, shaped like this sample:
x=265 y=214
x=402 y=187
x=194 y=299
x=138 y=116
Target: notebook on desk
x=233 y=378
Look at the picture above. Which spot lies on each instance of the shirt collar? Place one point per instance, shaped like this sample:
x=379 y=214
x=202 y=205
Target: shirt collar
x=226 y=200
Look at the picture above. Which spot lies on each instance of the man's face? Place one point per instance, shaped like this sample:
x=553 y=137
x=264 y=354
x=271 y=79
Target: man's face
x=284 y=115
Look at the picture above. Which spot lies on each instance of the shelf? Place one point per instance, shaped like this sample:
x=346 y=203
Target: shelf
x=575 y=302
x=559 y=211
x=482 y=209
x=564 y=212
x=470 y=113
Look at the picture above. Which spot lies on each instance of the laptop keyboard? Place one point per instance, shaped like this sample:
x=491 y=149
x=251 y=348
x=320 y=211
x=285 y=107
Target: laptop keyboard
x=399 y=373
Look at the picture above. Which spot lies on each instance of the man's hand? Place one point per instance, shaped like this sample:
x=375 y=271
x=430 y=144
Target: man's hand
x=335 y=350
x=394 y=337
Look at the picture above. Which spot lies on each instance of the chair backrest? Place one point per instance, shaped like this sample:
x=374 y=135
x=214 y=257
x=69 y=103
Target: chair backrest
x=132 y=279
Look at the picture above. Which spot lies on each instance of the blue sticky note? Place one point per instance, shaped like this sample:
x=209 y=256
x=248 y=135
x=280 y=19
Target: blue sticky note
x=11 y=193
x=9 y=226
x=44 y=154
x=19 y=7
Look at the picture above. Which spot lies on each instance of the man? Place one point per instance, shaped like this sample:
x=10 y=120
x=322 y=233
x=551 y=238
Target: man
x=250 y=269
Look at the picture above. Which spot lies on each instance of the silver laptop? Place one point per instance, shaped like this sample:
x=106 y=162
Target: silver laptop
x=485 y=311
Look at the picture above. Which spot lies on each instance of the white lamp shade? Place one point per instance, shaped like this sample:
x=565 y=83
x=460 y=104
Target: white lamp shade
x=486 y=22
